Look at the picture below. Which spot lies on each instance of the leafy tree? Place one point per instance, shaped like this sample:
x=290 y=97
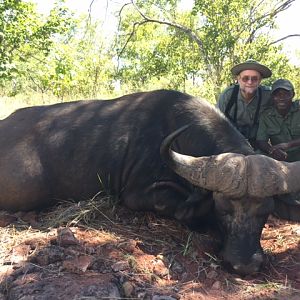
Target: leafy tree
x=216 y=34
x=94 y=61
x=23 y=32
x=79 y=66
x=158 y=45
x=73 y=59
x=155 y=54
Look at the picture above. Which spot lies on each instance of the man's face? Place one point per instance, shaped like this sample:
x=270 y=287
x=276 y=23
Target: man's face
x=282 y=99
x=249 y=80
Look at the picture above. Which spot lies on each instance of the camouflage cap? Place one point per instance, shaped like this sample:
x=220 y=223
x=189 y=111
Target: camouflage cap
x=252 y=64
x=282 y=84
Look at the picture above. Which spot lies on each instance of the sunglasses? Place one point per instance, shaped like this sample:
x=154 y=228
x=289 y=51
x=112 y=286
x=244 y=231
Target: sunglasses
x=250 y=78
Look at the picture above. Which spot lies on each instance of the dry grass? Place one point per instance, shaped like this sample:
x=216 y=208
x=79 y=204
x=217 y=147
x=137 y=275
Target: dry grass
x=10 y=104
x=85 y=213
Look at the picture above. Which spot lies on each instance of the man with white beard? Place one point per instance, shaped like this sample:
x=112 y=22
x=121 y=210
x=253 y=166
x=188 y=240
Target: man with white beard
x=243 y=102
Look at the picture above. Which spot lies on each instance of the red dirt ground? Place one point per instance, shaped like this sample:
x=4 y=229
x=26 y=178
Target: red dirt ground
x=127 y=255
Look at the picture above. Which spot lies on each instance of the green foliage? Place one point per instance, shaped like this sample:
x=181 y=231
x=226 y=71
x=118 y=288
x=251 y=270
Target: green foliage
x=82 y=67
x=14 y=31
x=156 y=55
x=23 y=32
x=158 y=45
x=203 y=44
x=73 y=60
x=235 y=31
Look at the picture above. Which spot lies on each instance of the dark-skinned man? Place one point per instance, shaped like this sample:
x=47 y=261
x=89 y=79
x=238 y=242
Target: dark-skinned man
x=279 y=126
x=279 y=137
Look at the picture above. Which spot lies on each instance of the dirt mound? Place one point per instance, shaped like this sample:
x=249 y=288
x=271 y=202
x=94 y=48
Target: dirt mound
x=93 y=250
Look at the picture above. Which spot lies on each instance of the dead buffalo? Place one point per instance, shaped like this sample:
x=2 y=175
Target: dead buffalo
x=63 y=151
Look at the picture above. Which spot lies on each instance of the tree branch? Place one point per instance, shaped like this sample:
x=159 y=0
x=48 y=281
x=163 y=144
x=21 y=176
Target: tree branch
x=261 y=20
x=177 y=26
x=285 y=37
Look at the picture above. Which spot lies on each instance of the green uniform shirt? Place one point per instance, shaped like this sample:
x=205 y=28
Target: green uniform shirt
x=245 y=111
x=278 y=129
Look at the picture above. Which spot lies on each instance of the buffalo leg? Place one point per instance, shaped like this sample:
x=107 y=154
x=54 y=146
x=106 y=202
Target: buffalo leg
x=172 y=201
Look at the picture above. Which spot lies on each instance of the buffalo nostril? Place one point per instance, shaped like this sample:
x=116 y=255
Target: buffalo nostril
x=236 y=267
x=252 y=267
x=257 y=258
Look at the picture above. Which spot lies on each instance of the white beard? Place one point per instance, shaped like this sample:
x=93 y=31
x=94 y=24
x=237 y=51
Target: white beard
x=248 y=92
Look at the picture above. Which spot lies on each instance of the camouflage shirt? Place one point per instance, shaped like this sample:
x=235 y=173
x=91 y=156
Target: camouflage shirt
x=278 y=129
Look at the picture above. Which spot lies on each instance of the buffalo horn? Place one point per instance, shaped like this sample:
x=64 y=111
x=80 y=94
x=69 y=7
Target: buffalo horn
x=223 y=173
x=233 y=174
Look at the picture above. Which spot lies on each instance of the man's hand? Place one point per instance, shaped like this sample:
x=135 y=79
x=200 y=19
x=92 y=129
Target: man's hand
x=277 y=153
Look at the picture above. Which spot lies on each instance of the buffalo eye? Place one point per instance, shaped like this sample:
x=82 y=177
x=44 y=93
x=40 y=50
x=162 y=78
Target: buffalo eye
x=223 y=205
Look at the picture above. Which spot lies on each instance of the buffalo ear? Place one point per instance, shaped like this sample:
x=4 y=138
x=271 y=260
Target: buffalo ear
x=287 y=207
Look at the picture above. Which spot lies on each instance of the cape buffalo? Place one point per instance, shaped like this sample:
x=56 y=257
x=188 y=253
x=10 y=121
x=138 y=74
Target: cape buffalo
x=60 y=151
